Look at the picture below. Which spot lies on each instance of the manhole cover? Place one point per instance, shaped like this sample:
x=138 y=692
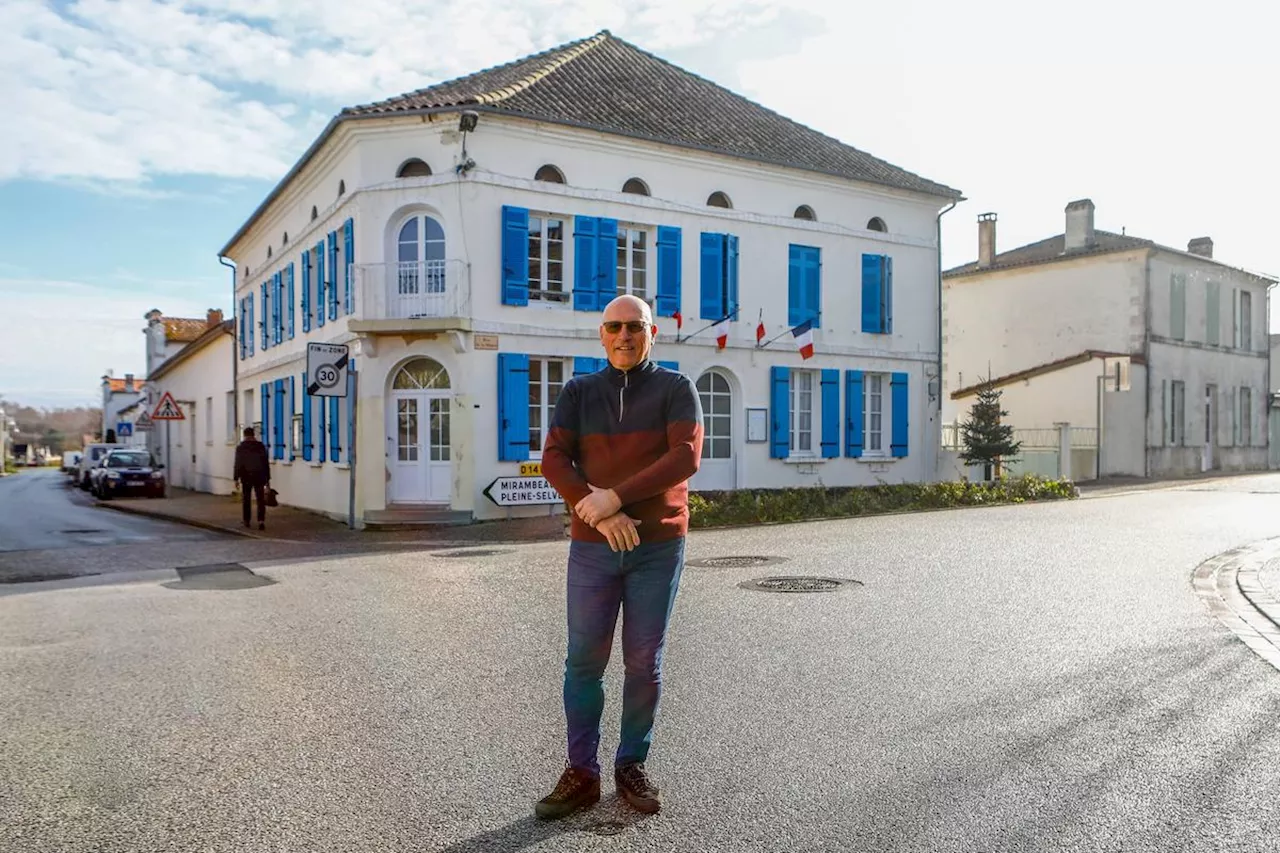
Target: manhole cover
x=218 y=576
x=475 y=552
x=797 y=584
x=743 y=562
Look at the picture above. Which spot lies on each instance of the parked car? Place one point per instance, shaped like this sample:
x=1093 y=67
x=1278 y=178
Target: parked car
x=128 y=472
x=92 y=456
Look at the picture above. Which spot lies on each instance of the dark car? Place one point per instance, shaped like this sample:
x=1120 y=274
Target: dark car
x=129 y=472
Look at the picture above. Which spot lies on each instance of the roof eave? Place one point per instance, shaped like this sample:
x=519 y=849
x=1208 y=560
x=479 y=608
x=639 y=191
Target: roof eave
x=952 y=273
x=207 y=337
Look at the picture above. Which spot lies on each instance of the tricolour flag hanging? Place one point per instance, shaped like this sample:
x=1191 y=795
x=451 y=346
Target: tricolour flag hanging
x=804 y=338
x=679 y=320
x=760 y=328
x=722 y=333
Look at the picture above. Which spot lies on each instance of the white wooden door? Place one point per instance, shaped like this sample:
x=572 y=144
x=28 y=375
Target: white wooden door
x=418 y=442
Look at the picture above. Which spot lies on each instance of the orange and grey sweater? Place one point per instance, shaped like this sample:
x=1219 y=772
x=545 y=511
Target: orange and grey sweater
x=637 y=432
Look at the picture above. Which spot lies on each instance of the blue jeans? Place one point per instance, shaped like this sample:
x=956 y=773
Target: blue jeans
x=643 y=584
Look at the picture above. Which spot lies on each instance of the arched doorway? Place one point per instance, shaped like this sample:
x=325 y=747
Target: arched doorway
x=717 y=470
x=418 y=442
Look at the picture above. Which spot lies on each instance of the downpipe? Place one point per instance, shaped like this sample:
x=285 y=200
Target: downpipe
x=235 y=336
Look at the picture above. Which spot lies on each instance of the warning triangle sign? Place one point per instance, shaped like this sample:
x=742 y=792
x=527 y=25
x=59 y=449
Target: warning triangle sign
x=168 y=409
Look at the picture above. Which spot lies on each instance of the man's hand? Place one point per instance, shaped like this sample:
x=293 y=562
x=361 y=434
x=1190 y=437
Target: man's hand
x=597 y=506
x=620 y=530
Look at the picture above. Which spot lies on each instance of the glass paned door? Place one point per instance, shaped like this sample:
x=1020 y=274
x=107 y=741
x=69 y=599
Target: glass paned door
x=421 y=469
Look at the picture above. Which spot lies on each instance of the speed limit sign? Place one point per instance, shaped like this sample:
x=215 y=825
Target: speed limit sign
x=327 y=370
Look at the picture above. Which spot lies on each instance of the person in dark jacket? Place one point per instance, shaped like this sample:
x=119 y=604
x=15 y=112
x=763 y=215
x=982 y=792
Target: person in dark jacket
x=253 y=472
x=623 y=443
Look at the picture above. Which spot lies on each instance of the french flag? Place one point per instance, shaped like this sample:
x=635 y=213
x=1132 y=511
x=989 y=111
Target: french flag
x=722 y=333
x=804 y=338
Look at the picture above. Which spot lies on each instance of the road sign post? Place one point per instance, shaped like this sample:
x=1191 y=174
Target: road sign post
x=167 y=410
x=353 y=380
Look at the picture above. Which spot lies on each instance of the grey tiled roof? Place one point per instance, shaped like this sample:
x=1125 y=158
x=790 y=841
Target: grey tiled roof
x=1051 y=249
x=610 y=85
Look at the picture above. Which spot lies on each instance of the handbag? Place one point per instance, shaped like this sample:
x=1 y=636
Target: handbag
x=271 y=497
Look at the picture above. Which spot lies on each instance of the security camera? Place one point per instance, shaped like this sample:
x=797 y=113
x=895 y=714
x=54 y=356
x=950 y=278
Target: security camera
x=468 y=120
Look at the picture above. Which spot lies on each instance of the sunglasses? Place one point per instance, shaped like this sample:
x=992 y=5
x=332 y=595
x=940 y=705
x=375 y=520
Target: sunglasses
x=635 y=327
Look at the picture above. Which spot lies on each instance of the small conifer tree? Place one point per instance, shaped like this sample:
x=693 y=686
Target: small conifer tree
x=984 y=438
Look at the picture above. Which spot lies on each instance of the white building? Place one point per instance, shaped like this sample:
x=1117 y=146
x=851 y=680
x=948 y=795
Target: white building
x=462 y=240
x=1046 y=320
x=119 y=399
x=198 y=451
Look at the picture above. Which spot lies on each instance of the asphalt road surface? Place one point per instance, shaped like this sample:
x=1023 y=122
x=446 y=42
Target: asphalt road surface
x=40 y=510
x=1022 y=678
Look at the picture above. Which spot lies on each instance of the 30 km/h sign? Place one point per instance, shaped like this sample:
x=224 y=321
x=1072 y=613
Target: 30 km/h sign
x=327 y=370
x=522 y=491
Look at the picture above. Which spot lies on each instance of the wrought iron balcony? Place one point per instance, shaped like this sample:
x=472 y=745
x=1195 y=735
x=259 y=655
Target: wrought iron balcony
x=412 y=290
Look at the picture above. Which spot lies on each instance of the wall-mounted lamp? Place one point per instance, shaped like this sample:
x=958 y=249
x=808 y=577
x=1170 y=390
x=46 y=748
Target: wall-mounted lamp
x=466 y=124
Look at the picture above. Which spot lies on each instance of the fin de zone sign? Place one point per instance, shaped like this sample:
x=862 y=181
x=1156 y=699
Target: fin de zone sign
x=168 y=409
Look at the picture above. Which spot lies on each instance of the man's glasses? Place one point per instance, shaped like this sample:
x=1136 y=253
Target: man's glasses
x=635 y=327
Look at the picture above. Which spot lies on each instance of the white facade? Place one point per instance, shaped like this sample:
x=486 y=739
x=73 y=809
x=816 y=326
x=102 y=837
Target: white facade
x=453 y=312
x=1193 y=328
x=119 y=396
x=198 y=451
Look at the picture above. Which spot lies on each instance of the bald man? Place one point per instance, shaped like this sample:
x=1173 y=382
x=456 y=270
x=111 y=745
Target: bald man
x=623 y=443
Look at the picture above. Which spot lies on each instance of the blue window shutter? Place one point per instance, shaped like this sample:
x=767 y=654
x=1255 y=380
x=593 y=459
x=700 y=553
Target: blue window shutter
x=813 y=287
x=670 y=365
x=293 y=408
x=901 y=411
x=667 y=302
x=277 y=309
x=853 y=408
x=289 y=278
x=888 y=294
x=332 y=290
x=306 y=290
x=795 y=282
x=871 y=293
x=513 y=407
x=515 y=255
x=242 y=346
x=583 y=364
x=606 y=262
x=731 y=273
x=306 y=419
x=830 y=414
x=585 y=240
x=265 y=324
x=779 y=414
x=249 y=336
x=348 y=247
x=335 y=429
x=321 y=444
x=264 y=403
x=711 y=304
x=320 y=290
x=278 y=421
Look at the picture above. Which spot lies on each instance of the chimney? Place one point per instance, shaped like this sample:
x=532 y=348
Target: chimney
x=214 y=317
x=1079 y=225
x=1202 y=246
x=128 y=383
x=986 y=239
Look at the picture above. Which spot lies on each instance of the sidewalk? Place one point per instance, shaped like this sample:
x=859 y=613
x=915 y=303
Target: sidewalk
x=222 y=513
x=1122 y=485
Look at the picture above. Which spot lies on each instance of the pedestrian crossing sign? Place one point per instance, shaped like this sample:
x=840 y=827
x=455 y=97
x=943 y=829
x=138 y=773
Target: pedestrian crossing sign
x=168 y=410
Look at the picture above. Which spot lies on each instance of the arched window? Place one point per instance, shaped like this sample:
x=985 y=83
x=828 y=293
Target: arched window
x=314 y=213
x=635 y=186
x=413 y=168
x=717 y=415
x=804 y=211
x=719 y=199
x=550 y=174
x=421 y=374
x=876 y=224
x=284 y=241
x=420 y=254
x=342 y=187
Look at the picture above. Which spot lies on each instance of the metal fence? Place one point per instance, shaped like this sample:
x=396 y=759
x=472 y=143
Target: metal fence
x=1040 y=450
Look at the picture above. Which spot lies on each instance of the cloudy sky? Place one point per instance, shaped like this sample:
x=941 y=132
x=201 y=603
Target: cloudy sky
x=139 y=134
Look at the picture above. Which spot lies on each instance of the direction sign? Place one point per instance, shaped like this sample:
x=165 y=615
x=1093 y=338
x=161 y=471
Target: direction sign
x=168 y=409
x=144 y=422
x=124 y=429
x=327 y=370
x=522 y=491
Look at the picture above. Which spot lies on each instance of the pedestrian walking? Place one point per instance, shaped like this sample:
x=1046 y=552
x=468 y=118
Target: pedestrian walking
x=622 y=444
x=253 y=472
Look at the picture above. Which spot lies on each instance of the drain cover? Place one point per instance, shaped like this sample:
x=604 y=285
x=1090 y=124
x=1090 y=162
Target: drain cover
x=475 y=552
x=797 y=583
x=734 y=562
x=218 y=576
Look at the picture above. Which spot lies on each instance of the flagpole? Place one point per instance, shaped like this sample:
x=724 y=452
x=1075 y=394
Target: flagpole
x=787 y=331
x=708 y=326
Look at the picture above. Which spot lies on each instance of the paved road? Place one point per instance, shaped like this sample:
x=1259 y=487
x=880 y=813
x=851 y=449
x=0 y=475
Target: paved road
x=1014 y=678
x=41 y=511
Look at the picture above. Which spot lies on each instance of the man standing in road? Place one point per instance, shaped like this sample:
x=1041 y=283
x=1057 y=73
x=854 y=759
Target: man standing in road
x=622 y=444
x=253 y=471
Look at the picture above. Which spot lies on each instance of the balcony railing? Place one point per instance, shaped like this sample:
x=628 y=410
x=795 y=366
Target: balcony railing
x=412 y=290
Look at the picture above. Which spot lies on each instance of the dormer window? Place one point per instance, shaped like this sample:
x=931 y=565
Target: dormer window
x=805 y=212
x=877 y=224
x=719 y=199
x=635 y=186
x=550 y=174
x=413 y=168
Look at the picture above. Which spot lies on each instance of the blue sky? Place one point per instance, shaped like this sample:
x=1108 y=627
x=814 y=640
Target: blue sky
x=142 y=133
